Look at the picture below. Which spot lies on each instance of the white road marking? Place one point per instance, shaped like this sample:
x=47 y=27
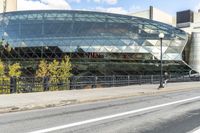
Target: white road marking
x=113 y=116
x=196 y=131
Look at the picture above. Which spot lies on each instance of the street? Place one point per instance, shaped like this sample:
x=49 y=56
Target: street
x=174 y=112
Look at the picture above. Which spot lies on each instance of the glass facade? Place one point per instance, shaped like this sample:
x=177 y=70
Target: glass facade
x=101 y=39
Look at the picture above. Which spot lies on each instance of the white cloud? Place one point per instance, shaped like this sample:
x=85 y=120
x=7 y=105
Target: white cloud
x=197 y=7
x=42 y=4
x=63 y=4
x=110 y=2
x=134 y=8
x=76 y=1
x=118 y=10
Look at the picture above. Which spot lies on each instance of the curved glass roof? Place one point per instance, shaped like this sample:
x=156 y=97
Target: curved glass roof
x=92 y=32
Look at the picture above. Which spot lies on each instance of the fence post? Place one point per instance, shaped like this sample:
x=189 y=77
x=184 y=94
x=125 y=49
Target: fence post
x=151 y=79
x=128 y=80
x=46 y=83
x=95 y=82
x=140 y=79
x=13 y=84
x=113 y=80
x=70 y=83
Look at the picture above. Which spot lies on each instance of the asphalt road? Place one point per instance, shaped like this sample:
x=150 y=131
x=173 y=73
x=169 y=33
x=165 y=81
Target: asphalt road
x=177 y=112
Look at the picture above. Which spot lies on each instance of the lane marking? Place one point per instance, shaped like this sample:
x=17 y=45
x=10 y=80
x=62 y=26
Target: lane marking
x=196 y=131
x=112 y=116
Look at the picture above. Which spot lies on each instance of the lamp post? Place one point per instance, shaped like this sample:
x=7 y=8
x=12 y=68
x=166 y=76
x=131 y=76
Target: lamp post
x=161 y=36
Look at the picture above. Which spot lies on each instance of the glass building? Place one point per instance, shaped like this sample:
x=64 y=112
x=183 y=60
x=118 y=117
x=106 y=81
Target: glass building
x=98 y=43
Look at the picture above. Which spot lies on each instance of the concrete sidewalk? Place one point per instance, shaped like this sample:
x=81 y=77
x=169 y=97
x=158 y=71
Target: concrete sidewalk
x=28 y=101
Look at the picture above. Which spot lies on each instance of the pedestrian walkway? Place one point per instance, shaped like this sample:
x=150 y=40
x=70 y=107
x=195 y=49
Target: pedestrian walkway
x=18 y=102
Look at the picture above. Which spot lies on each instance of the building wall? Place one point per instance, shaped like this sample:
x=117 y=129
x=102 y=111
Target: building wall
x=195 y=54
x=189 y=21
x=161 y=16
x=190 y=27
x=11 y=5
x=174 y=21
x=197 y=17
x=157 y=15
x=1 y=6
x=196 y=24
x=142 y=14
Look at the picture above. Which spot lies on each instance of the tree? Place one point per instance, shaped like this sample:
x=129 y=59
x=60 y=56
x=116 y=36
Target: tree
x=53 y=68
x=2 y=45
x=1 y=42
x=2 y=69
x=43 y=70
x=65 y=68
x=14 y=70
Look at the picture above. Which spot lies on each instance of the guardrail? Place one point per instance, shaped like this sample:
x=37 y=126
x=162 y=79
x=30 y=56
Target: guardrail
x=35 y=84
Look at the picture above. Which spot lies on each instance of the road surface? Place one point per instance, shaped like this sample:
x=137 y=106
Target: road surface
x=177 y=112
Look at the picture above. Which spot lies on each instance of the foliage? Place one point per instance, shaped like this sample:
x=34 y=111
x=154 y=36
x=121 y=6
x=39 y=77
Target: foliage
x=53 y=68
x=57 y=73
x=60 y=73
x=1 y=42
x=5 y=85
x=2 y=69
x=3 y=80
x=14 y=70
x=1 y=45
x=42 y=69
x=65 y=68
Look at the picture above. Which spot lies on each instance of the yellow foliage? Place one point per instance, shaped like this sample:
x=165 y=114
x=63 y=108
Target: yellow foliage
x=14 y=70
x=58 y=72
x=53 y=68
x=42 y=69
x=65 y=68
x=2 y=68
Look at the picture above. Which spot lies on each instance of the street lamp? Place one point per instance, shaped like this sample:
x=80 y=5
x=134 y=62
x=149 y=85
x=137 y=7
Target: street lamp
x=161 y=36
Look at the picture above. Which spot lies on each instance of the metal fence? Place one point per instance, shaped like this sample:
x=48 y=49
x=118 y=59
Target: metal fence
x=80 y=82
x=35 y=84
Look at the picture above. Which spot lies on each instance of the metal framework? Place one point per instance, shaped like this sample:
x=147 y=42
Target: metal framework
x=35 y=84
x=98 y=43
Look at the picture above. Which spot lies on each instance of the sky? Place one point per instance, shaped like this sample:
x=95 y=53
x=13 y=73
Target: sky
x=114 y=6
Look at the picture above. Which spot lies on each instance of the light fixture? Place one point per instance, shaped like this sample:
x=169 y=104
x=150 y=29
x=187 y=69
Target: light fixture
x=161 y=35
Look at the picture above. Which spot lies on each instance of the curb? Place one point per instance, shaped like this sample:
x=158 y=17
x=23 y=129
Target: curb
x=75 y=101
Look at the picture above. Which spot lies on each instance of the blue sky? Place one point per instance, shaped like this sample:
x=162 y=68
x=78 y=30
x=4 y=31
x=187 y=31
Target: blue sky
x=117 y=6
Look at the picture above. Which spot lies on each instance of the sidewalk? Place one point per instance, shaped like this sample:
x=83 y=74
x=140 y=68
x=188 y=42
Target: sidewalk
x=28 y=101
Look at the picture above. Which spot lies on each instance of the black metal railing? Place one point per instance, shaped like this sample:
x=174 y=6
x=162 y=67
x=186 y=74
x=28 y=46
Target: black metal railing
x=35 y=84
